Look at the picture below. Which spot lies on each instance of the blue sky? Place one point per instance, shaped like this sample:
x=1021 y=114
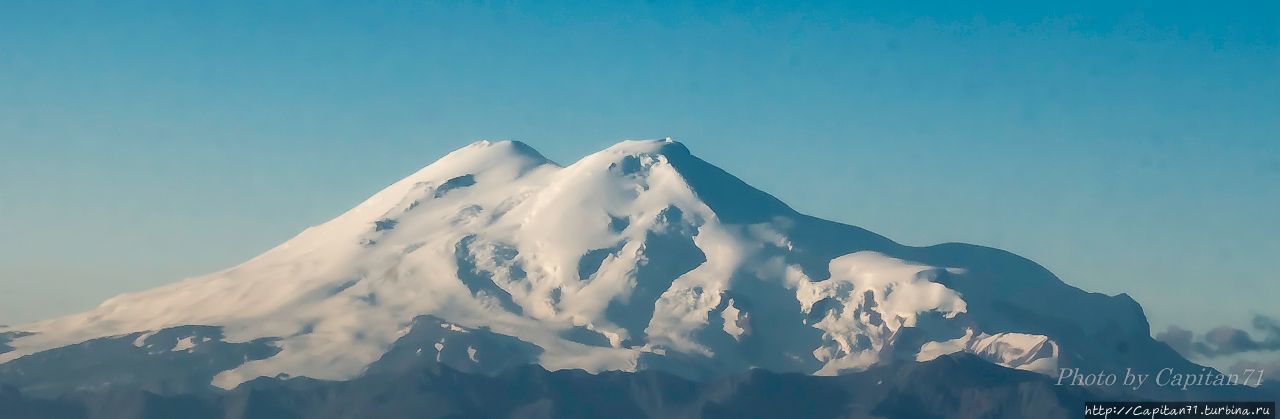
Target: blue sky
x=1129 y=148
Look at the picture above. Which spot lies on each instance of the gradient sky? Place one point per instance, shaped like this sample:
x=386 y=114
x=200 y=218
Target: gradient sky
x=1130 y=148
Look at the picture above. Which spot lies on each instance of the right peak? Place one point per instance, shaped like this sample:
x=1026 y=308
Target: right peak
x=667 y=146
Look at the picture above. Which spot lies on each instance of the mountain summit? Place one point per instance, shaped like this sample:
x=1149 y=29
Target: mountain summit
x=640 y=256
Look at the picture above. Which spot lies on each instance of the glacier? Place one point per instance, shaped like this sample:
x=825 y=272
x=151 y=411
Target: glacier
x=640 y=256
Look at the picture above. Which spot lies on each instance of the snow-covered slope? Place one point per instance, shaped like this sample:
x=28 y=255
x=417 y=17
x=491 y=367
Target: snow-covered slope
x=638 y=256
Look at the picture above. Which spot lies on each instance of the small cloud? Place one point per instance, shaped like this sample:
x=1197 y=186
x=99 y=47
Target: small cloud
x=1230 y=341
x=1271 y=365
x=1267 y=368
x=1224 y=340
x=1268 y=325
x=1179 y=339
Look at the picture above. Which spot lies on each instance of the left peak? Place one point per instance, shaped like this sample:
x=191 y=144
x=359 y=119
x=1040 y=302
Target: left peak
x=499 y=149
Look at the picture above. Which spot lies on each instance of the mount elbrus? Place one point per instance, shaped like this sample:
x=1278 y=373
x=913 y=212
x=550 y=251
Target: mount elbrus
x=640 y=256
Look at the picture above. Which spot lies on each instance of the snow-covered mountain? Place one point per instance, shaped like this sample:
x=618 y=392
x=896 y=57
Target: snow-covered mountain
x=640 y=256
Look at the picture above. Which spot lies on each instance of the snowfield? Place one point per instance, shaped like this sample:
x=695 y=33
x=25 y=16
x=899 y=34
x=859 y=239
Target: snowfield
x=638 y=256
